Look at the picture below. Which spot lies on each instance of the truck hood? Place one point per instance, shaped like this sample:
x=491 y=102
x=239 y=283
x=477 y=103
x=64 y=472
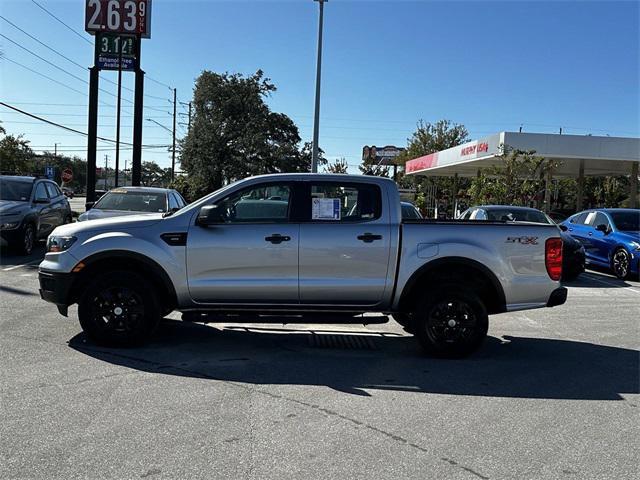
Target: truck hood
x=8 y=207
x=109 y=224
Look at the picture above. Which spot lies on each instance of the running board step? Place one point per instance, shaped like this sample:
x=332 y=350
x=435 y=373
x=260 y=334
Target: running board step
x=321 y=318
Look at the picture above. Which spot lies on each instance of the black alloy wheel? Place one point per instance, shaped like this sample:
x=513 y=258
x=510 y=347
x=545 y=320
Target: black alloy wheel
x=119 y=309
x=620 y=263
x=451 y=323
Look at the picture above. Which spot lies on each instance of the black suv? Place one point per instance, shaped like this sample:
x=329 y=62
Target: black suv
x=30 y=208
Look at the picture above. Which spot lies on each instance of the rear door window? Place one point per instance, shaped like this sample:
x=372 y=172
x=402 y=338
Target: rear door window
x=478 y=214
x=579 y=219
x=600 y=219
x=51 y=189
x=41 y=192
x=343 y=202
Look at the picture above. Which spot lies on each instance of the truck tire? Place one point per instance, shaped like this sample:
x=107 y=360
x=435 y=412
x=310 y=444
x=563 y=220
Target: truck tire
x=451 y=322
x=119 y=308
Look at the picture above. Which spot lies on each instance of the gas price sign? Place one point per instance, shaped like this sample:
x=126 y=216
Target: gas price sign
x=118 y=16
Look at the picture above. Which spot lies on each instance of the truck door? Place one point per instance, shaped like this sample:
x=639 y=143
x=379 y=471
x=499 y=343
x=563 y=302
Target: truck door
x=344 y=244
x=252 y=255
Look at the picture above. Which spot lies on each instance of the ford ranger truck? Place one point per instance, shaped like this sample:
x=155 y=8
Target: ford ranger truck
x=312 y=247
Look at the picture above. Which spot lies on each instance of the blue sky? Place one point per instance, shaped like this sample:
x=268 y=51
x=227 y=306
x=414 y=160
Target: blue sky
x=489 y=65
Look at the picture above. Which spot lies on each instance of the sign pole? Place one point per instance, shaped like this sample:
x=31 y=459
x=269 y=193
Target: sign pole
x=136 y=158
x=173 y=149
x=119 y=43
x=92 y=131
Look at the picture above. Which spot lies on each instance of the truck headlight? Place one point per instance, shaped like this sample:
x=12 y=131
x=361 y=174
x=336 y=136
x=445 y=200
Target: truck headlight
x=58 y=243
x=9 y=225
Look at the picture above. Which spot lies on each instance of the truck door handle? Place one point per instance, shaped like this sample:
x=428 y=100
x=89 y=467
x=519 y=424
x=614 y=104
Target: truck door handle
x=590 y=233
x=369 y=237
x=277 y=238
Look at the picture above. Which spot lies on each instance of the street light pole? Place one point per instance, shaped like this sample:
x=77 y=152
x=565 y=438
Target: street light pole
x=316 y=117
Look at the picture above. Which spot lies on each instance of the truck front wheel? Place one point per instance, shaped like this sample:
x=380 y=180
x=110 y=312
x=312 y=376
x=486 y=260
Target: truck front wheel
x=119 y=308
x=450 y=323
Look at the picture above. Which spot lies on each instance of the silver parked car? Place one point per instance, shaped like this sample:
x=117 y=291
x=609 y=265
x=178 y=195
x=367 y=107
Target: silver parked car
x=134 y=200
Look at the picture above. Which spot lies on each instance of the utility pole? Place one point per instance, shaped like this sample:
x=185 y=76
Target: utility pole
x=55 y=150
x=316 y=116
x=173 y=152
x=136 y=155
x=92 y=130
x=189 y=117
x=118 y=103
x=106 y=166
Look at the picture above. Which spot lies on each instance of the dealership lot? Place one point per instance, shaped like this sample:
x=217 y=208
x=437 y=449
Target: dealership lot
x=553 y=394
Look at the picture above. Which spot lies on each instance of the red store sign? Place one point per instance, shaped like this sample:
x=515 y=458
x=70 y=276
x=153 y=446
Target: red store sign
x=476 y=148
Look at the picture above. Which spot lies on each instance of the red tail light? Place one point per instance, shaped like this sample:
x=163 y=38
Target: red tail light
x=553 y=257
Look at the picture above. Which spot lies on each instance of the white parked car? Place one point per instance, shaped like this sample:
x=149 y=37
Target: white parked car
x=132 y=201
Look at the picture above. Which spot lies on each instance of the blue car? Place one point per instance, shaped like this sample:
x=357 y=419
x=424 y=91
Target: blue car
x=611 y=238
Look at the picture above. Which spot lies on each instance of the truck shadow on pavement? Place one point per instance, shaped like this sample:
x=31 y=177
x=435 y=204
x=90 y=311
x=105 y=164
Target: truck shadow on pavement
x=519 y=367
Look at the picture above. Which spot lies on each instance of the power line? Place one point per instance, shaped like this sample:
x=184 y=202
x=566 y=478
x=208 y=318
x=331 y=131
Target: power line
x=43 y=59
x=56 y=51
x=73 y=30
x=45 y=76
x=42 y=43
x=55 y=114
x=59 y=125
x=159 y=82
x=58 y=67
x=91 y=43
x=84 y=105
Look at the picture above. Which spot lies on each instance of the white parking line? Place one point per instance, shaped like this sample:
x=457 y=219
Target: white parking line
x=611 y=284
x=8 y=269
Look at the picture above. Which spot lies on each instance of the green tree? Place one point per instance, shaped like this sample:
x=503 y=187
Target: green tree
x=519 y=179
x=153 y=175
x=234 y=133
x=15 y=154
x=339 y=166
x=430 y=138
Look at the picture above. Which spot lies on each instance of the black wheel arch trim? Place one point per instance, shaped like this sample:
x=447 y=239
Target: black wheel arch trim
x=458 y=261
x=128 y=255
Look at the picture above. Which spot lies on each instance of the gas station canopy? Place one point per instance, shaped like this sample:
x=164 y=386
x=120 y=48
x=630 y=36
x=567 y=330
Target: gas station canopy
x=577 y=155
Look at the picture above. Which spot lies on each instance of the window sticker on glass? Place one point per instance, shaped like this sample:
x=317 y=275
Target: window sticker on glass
x=325 y=209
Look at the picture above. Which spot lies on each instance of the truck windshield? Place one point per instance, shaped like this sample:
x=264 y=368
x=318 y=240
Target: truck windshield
x=15 y=190
x=132 y=201
x=627 y=221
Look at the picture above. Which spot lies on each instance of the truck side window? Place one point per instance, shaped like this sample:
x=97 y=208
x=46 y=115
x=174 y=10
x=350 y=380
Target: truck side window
x=173 y=202
x=331 y=201
x=267 y=203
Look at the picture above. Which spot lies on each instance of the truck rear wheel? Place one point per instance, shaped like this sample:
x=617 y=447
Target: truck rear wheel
x=450 y=323
x=119 y=308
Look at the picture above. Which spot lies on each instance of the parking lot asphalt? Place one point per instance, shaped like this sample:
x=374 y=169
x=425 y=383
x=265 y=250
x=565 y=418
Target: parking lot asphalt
x=554 y=393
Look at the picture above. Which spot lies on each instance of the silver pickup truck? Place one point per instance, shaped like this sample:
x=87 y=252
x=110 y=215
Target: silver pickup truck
x=301 y=248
